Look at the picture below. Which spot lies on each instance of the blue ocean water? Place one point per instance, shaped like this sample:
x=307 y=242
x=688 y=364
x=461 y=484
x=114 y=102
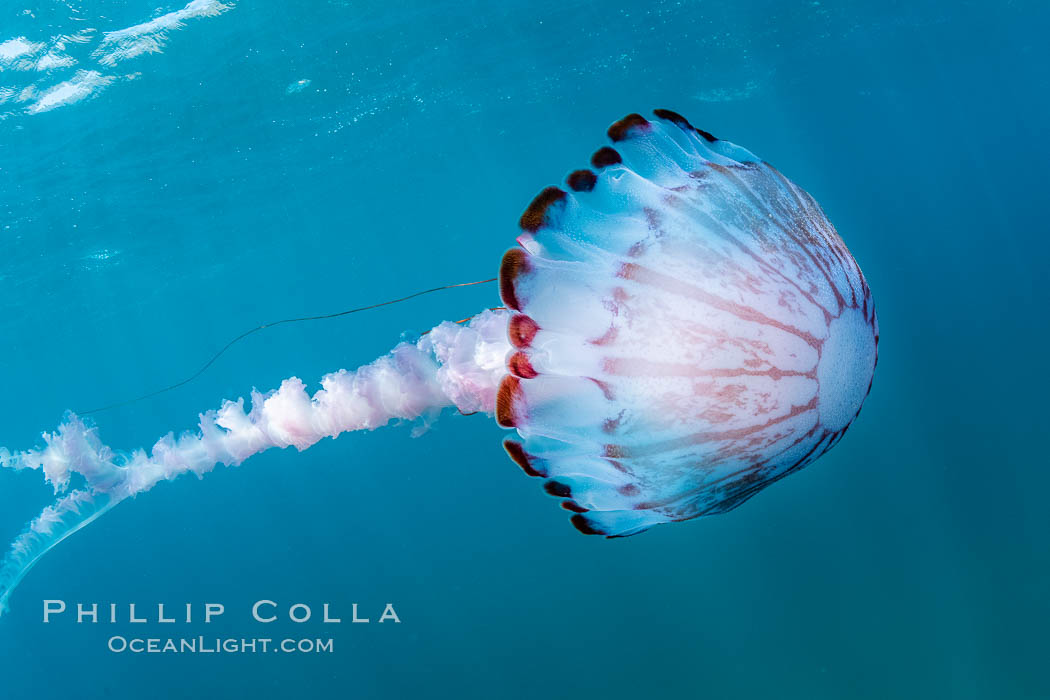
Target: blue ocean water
x=164 y=189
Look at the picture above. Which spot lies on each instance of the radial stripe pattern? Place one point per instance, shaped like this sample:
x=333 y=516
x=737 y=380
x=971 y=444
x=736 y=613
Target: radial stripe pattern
x=688 y=328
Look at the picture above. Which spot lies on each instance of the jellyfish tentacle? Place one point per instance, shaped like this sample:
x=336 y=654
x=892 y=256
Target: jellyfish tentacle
x=55 y=523
x=452 y=365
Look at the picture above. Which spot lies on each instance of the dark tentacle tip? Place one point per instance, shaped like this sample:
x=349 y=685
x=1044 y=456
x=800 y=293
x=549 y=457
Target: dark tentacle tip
x=520 y=366
x=581 y=180
x=675 y=118
x=583 y=524
x=535 y=215
x=557 y=488
x=515 y=262
x=529 y=464
x=681 y=122
x=506 y=397
x=521 y=330
x=622 y=129
x=605 y=157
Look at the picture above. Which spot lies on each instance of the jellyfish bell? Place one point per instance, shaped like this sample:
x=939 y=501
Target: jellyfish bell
x=688 y=328
x=682 y=327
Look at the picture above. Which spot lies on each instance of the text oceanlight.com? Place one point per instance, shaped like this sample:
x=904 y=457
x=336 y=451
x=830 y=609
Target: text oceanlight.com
x=203 y=645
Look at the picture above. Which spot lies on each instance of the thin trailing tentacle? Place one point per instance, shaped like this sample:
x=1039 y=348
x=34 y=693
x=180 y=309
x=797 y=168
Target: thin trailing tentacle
x=55 y=523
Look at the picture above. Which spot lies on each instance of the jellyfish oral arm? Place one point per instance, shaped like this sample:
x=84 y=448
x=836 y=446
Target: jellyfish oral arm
x=452 y=365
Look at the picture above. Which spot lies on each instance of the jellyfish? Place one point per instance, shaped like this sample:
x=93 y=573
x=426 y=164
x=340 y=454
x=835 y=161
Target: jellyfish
x=681 y=327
